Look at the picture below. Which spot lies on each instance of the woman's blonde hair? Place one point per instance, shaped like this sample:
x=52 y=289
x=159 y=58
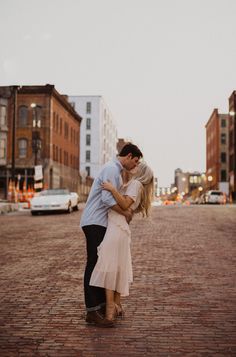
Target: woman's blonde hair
x=144 y=174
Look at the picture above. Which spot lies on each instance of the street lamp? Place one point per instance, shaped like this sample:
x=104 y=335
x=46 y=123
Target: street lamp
x=36 y=142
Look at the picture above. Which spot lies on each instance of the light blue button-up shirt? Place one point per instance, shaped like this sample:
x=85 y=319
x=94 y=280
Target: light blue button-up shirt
x=99 y=201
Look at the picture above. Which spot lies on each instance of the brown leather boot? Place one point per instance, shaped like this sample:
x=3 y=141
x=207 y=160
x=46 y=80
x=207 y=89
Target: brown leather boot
x=95 y=318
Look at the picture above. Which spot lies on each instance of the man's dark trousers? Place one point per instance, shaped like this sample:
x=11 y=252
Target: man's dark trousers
x=95 y=297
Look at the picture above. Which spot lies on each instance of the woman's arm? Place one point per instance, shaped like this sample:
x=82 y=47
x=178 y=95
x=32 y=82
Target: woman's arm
x=123 y=201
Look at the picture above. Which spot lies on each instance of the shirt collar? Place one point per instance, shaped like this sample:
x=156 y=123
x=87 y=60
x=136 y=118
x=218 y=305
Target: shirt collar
x=118 y=163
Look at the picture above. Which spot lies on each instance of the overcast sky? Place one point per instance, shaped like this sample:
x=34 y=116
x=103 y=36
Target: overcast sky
x=162 y=66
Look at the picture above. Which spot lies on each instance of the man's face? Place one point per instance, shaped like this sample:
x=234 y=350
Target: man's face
x=131 y=162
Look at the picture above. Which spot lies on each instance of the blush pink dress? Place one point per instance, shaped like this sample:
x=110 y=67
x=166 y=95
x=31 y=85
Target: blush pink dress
x=113 y=269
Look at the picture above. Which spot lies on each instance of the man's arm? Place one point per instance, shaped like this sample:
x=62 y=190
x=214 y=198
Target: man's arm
x=128 y=213
x=123 y=201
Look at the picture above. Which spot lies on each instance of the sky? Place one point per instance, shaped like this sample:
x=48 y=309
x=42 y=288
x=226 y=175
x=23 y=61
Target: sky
x=162 y=66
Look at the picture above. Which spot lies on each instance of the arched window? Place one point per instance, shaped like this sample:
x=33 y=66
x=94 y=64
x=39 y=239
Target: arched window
x=22 y=148
x=37 y=116
x=23 y=116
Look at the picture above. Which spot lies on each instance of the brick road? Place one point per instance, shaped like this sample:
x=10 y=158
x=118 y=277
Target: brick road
x=182 y=302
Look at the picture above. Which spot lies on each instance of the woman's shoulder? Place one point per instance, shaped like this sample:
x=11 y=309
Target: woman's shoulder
x=133 y=186
x=135 y=183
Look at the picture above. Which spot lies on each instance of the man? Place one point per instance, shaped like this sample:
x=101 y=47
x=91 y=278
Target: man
x=94 y=223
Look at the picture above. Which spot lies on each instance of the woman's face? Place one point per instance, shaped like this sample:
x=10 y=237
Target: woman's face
x=134 y=170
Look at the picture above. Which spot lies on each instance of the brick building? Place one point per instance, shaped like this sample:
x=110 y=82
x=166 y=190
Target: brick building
x=47 y=133
x=232 y=146
x=217 y=152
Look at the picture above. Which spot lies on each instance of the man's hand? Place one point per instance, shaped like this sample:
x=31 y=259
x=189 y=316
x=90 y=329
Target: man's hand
x=128 y=215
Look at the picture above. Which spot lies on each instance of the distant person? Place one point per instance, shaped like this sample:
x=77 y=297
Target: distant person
x=113 y=270
x=94 y=223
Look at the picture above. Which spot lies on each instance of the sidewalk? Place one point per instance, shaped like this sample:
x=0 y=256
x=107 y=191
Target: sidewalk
x=6 y=207
x=182 y=301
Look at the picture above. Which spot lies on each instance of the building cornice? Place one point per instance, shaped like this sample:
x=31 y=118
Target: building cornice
x=49 y=89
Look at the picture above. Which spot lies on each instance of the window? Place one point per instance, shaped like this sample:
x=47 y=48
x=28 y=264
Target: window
x=3 y=115
x=2 y=149
x=193 y=179
x=231 y=139
x=231 y=162
x=57 y=123
x=88 y=123
x=88 y=107
x=223 y=138
x=87 y=168
x=60 y=125
x=223 y=123
x=66 y=130
x=54 y=152
x=23 y=116
x=37 y=116
x=223 y=157
x=88 y=139
x=223 y=176
x=56 y=158
x=66 y=158
x=22 y=147
x=87 y=158
x=54 y=121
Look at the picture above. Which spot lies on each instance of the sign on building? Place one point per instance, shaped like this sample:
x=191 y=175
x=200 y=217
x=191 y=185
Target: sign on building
x=38 y=172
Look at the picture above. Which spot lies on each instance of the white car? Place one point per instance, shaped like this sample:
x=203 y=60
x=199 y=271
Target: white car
x=215 y=196
x=54 y=200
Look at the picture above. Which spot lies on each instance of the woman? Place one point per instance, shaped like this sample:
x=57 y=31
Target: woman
x=113 y=270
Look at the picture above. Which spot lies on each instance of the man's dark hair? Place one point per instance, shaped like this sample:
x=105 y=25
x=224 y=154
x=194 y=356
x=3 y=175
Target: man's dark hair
x=131 y=149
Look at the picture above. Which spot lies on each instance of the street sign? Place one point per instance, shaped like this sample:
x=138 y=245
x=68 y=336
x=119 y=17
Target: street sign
x=38 y=172
x=38 y=185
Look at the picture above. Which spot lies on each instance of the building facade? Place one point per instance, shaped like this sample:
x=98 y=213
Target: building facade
x=4 y=127
x=42 y=129
x=217 y=162
x=187 y=183
x=232 y=146
x=98 y=138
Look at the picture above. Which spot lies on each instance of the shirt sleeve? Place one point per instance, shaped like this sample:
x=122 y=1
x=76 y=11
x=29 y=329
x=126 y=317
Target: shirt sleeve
x=112 y=175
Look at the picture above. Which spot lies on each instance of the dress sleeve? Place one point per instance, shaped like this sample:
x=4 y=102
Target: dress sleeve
x=133 y=189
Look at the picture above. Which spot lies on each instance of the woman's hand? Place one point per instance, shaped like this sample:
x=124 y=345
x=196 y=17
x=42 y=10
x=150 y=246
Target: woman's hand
x=106 y=185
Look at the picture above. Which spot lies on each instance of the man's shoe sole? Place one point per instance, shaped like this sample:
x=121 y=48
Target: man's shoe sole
x=98 y=324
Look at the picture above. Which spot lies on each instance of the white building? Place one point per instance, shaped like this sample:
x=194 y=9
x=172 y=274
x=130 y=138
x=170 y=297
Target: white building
x=98 y=133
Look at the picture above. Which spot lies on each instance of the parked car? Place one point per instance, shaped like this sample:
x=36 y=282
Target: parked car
x=54 y=200
x=215 y=197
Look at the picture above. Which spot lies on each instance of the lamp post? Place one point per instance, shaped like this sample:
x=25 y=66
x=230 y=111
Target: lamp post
x=15 y=92
x=36 y=142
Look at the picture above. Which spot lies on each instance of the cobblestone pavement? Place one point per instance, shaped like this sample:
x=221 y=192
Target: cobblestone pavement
x=182 y=301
